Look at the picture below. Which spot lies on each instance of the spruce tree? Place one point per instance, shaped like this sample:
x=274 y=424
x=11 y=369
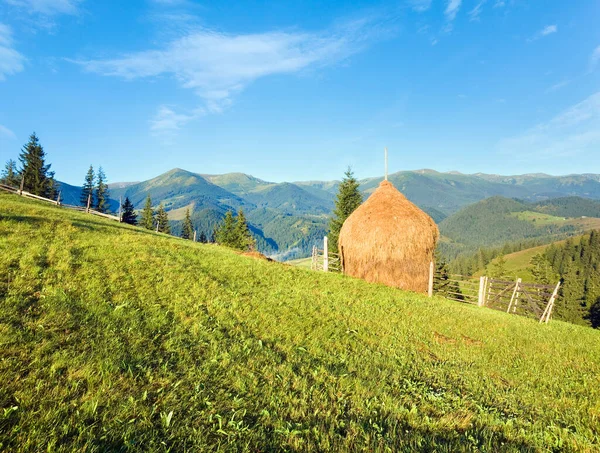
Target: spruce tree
x=203 y=238
x=10 y=174
x=101 y=192
x=87 y=190
x=128 y=216
x=348 y=199
x=147 y=220
x=243 y=239
x=36 y=174
x=188 y=228
x=163 y=220
x=225 y=233
x=499 y=267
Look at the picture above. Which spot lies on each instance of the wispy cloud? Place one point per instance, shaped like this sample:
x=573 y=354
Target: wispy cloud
x=420 y=5
x=167 y=121
x=217 y=66
x=450 y=12
x=5 y=132
x=47 y=7
x=547 y=30
x=499 y=4
x=595 y=59
x=452 y=9
x=558 y=86
x=573 y=132
x=476 y=11
x=11 y=61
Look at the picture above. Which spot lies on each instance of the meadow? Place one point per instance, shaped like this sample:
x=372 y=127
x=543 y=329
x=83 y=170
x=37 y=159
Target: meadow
x=114 y=338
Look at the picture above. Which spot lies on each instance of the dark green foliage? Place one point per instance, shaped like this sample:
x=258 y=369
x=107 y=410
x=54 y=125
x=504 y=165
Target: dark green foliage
x=162 y=220
x=10 y=174
x=442 y=284
x=243 y=238
x=188 y=228
x=542 y=271
x=498 y=268
x=147 y=220
x=234 y=233
x=87 y=190
x=202 y=239
x=595 y=314
x=569 y=207
x=36 y=174
x=128 y=215
x=101 y=192
x=348 y=199
x=578 y=266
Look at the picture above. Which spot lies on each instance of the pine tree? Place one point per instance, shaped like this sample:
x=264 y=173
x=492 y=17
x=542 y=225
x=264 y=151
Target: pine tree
x=188 y=228
x=348 y=199
x=128 y=216
x=594 y=315
x=499 y=267
x=203 y=238
x=10 y=174
x=101 y=192
x=242 y=238
x=147 y=220
x=87 y=190
x=542 y=270
x=163 y=220
x=37 y=177
x=225 y=233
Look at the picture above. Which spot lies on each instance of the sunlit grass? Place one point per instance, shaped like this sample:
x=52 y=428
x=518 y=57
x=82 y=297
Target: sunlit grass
x=114 y=338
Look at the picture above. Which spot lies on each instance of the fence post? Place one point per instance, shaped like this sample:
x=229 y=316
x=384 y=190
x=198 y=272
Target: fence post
x=87 y=209
x=481 y=299
x=550 y=306
x=58 y=199
x=195 y=232
x=430 y=286
x=325 y=255
x=513 y=298
x=157 y=223
x=120 y=204
x=22 y=184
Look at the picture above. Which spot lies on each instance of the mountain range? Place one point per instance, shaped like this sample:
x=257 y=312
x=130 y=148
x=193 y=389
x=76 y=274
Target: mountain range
x=288 y=218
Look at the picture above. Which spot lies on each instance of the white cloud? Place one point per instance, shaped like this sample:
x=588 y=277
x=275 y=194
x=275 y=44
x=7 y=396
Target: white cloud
x=5 y=132
x=573 y=132
x=558 y=86
x=476 y=11
x=547 y=30
x=595 y=58
x=420 y=5
x=47 y=7
x=11 y=61
x=167 y=121
x=216 y=66
x=452 y=9
x=499 y=4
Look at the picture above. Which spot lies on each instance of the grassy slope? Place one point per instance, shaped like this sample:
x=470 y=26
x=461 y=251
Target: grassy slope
x=114 y=338
x=518 y=263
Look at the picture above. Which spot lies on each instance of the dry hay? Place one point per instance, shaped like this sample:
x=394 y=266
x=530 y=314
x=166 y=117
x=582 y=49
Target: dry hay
x=389 y=240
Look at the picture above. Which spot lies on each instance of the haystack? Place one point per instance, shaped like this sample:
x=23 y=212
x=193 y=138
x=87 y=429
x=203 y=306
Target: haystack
x=389 y=240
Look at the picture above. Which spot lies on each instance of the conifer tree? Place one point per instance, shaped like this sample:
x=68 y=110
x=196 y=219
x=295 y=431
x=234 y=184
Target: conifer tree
x=203 y=238
x=348 y=199
x=128 y=216
x=87 y=190
x=499 y=267
x=10 y=174
x=147 y=220
x=188 y=228
x=243 y=239
x=163 y=220
x=225 y=233
x=36 y=174
x=101 y=191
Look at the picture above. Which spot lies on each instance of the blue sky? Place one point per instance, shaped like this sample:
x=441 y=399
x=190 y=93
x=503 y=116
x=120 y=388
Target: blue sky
x=299 y=90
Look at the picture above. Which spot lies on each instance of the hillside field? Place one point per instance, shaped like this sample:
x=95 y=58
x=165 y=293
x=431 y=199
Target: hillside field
x=115 y=338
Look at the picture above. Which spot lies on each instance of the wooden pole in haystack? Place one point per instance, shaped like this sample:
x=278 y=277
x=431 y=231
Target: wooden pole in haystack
x=386 y=163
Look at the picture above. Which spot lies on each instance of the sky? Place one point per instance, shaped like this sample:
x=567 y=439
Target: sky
x=290 y=91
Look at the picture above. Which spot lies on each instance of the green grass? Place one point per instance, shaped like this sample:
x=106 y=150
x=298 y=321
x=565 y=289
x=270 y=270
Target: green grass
x=304 y=263
x=539 y=218
x=117 y=339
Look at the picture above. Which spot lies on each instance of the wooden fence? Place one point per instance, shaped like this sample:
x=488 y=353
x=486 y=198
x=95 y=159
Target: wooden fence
x=512 y=296
x=325 y=261
x=57 y=202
